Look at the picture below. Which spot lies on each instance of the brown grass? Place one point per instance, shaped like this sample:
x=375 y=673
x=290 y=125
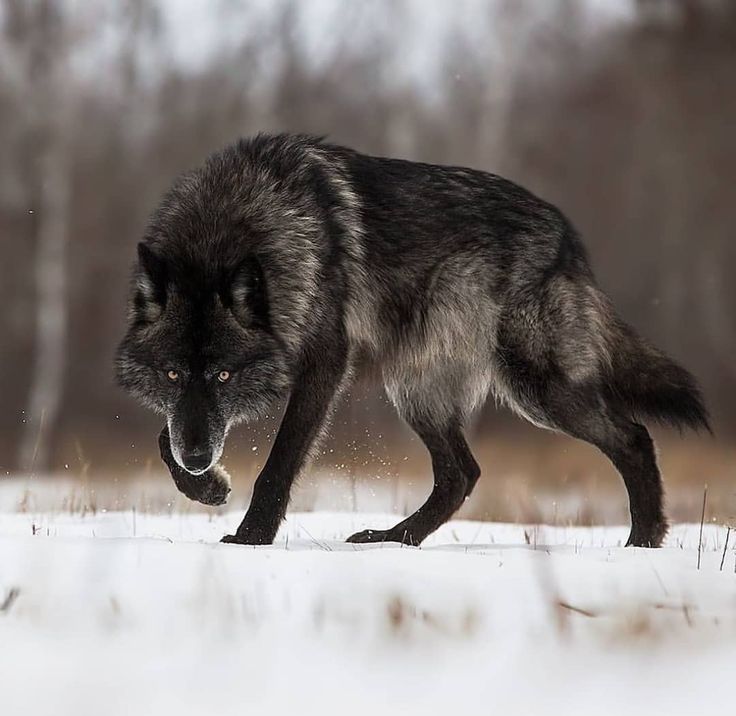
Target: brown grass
x=529 y=476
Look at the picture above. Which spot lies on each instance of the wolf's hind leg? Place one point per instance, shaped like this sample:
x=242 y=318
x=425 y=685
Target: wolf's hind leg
x=455 y=474
x=583 y=413
x=634 y=456
x=553 y=355
x=629 y=447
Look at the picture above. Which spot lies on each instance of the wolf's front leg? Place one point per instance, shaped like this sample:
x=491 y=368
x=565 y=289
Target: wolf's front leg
x=317 y=384
x=211 y=488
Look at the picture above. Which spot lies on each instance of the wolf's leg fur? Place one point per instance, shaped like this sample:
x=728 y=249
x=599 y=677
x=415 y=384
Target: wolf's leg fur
x=630 y=448
x=455 y=474
x=582 y=412
x=636 y=460
x=315 y=389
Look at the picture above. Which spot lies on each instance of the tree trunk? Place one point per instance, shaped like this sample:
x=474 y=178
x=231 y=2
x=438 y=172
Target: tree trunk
x=51 y=313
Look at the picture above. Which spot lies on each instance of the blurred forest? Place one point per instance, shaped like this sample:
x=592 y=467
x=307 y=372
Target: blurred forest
x=625 y=121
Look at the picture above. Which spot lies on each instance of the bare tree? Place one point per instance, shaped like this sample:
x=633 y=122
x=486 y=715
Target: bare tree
x=48 y=104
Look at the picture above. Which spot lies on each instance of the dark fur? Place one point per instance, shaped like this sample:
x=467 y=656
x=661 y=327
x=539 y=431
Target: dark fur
x=290 y=263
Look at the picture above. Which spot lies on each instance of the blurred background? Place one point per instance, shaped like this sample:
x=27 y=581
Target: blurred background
x=621 y=112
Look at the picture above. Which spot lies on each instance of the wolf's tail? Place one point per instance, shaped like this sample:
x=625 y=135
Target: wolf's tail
x=648 y=384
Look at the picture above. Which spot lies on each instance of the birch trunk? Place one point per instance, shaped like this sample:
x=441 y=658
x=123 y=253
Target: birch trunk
x=50 y=278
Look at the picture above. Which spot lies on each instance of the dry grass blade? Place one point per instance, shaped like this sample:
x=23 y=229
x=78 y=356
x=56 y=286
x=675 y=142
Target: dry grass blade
x=725 y=548
x=702 y=520
x=577 y=610
x=321 y=545
x=9 y=600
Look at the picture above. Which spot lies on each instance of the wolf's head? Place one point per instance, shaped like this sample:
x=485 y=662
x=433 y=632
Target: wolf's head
x=199 y=349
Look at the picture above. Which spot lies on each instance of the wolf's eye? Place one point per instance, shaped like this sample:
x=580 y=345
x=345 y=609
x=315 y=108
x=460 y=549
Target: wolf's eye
x=223 y=376
x=172 y=375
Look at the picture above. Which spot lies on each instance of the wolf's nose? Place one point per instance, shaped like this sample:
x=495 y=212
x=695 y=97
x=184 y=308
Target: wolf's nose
x=197 y=460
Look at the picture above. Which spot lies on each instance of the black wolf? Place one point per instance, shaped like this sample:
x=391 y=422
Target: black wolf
x=285 y=264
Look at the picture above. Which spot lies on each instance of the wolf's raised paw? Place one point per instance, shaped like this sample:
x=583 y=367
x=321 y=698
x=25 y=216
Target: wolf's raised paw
x=214 y=487
x=213 y=493
x=211 y=489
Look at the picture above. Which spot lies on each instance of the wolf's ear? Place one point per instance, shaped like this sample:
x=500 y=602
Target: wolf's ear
x=247 y=296
x=150 y=284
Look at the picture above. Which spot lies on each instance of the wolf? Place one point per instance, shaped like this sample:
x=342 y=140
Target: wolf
x=286 y=265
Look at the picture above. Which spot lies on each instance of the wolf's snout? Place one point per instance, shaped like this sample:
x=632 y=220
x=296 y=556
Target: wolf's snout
x=197 y=460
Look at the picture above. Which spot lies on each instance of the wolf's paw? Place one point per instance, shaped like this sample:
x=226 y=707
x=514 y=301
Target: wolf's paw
x=652 y=536
x=648 y=532
x=393 y=535
x=253 y=534
x=214 y=487
x=250 y=539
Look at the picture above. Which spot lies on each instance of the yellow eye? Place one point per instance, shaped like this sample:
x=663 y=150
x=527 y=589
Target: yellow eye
x=172 y=375
x=223 y=376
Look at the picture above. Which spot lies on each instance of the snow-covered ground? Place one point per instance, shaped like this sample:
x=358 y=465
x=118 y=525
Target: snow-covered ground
x=134 y=613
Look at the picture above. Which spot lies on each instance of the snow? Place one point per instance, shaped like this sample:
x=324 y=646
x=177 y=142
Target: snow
x=128 y=612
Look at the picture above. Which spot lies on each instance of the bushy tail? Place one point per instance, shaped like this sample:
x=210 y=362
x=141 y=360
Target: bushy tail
x=648 y=384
